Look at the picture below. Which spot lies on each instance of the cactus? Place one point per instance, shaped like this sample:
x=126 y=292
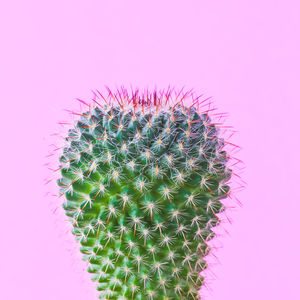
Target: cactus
x=142 y=177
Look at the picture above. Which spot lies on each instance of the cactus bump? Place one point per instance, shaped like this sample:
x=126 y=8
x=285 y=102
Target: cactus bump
x=143 y=176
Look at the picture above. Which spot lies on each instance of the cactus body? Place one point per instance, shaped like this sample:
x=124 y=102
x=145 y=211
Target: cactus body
x=142 y=181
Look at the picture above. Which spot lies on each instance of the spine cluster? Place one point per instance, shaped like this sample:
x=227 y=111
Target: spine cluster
x=142 y=179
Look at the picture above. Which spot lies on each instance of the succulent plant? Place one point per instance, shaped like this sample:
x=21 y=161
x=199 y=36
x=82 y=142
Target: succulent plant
x=142 y=176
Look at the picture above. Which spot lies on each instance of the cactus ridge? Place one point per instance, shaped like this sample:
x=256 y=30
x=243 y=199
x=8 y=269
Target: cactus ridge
x=142 y=181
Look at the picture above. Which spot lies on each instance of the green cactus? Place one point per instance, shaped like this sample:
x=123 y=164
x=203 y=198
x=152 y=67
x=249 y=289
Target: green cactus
x=142 y=177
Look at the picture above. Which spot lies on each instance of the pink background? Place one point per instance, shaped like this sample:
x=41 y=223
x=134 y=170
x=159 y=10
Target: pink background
x=245 y=54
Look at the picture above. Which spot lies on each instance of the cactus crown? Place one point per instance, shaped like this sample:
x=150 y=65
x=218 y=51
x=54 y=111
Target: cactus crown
x=143 y=177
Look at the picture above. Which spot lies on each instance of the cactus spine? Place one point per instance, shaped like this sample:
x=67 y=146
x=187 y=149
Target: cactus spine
x=142 y=177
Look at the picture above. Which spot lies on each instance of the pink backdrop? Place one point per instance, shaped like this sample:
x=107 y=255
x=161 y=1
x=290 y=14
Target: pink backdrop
x=245 y=54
